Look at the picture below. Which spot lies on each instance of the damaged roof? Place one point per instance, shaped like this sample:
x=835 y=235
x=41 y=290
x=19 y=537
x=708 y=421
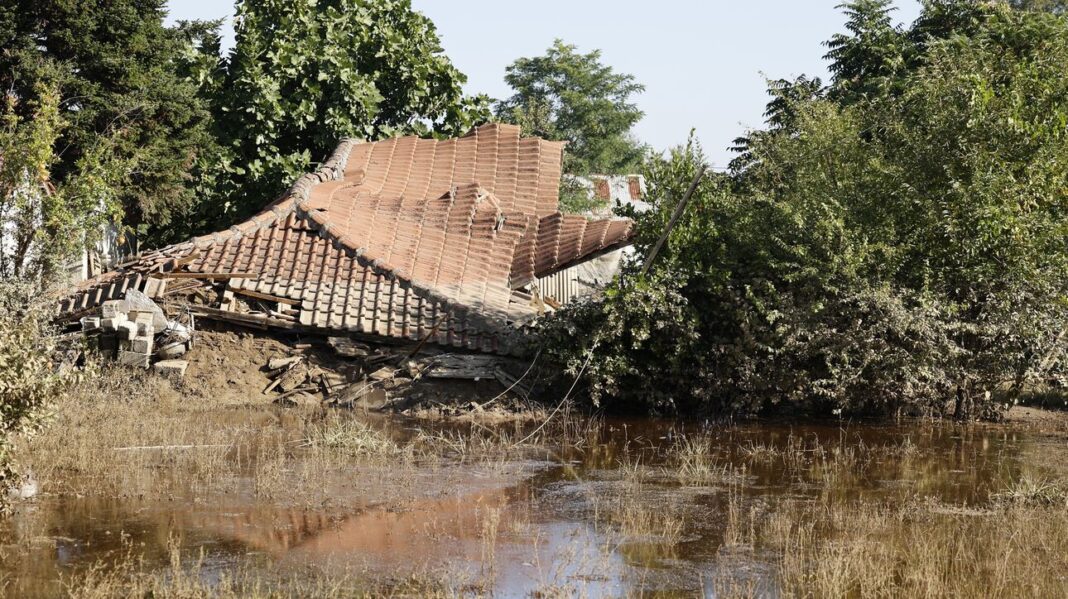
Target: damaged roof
x=407 y=238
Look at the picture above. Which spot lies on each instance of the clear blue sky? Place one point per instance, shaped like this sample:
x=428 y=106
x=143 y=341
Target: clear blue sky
x=703 y=62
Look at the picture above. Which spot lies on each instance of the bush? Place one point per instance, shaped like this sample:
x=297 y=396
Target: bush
x=904 y=249
x=28 y=380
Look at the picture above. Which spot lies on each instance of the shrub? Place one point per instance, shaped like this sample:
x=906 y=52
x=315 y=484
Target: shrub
x=28 y=379
x=904 y=249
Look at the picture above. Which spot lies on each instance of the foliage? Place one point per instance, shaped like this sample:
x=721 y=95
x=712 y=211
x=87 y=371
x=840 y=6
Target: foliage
x=569 y=96
x=113 y=64
x=900 y=245
x=27 y=379
x=43 y=224
x=1055 y=6
x=303 y=75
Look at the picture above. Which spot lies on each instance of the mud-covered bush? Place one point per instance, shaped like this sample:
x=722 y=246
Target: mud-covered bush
x=28 y=380
x=904 y=248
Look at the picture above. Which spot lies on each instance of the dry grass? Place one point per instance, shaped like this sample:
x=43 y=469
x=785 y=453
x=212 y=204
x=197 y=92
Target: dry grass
x=695 y=462
x=187 y=578
x=834 y=548
x=120 y=437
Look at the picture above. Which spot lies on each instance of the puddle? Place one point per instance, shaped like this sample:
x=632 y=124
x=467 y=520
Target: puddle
x=617 y=516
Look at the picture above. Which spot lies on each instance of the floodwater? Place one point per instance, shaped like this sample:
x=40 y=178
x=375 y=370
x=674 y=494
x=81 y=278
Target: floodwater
x=539 y=520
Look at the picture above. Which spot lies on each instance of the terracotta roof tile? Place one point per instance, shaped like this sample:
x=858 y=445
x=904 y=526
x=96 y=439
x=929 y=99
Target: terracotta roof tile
x=399 y=236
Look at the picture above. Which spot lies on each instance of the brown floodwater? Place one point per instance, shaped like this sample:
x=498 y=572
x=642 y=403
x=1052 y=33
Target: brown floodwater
x=536 y=520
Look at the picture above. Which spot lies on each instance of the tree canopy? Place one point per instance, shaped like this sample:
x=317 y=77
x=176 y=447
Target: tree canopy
x=565 y=95
x=895 y=242
x=303 y=75
x=113 y=66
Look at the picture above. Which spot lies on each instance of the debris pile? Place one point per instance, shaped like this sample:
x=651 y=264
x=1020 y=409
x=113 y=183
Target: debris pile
x=135 y=332
x=383 y=379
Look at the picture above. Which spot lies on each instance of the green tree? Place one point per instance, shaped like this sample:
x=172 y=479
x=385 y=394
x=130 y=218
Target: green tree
x=569 y=96
x=44 y=223
x=303 y=75
x=1059 y=7
x=904 y=249
x=866 y=57
x=114 y=65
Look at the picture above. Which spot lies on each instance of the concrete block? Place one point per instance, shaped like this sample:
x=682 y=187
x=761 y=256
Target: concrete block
x=127 y=330
x=90 y=323
x=171 y=368
x=108 y=343
x=141 y=346
x=112 y=323
x=134 y=359
x=141 y=316
x=145 y=330
x=114 y=308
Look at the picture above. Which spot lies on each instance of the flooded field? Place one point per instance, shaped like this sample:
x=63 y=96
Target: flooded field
x=191 y=499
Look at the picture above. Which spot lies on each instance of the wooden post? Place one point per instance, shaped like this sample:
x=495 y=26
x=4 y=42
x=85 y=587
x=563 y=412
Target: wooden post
x=675 y=216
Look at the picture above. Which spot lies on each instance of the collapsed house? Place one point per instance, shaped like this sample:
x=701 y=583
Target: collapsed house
x=403 y=240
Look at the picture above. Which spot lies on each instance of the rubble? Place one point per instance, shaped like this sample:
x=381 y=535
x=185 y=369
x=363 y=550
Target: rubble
x=130 y=330
x=171 y=368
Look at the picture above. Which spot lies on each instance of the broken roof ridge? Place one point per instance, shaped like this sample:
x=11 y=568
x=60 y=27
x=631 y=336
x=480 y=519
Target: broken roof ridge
x=379 y=259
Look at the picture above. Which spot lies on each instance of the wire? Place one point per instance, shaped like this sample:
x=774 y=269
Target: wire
x=578 y=377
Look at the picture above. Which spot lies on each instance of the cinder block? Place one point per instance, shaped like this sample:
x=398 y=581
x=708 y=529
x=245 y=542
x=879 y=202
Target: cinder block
x=171 y=368
x=90 y=323
x=140 y=316
x=141 y=346
x=145 y=330
x=134 y=359
x=108 y=343
x=126 y=330
x=112 y=323
x=113 y=308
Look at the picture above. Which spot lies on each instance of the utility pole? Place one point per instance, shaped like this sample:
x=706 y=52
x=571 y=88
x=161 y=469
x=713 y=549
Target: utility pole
x=675 y=216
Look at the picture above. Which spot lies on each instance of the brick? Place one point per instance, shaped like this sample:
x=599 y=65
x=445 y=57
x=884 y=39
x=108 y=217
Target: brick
x=141 y=316
x=171 y=368
x=134 y=359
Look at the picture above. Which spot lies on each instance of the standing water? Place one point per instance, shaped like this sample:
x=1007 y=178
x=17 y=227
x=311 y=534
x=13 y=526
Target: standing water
x=591 y=508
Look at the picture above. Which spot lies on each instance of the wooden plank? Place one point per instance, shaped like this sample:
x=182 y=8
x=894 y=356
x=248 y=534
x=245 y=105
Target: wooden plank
x=181 y=262
x=458 y=366
x=264 y=296
x=210 y=275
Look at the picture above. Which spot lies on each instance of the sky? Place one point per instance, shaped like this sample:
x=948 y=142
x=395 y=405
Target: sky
x=703 y=62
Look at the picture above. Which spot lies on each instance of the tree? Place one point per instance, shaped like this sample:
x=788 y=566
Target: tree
x=45 y=223
x=904 y=249
x=865 y=58
x=1059 y=7
x=113 y=64
x=573 y=97
x=303 y=75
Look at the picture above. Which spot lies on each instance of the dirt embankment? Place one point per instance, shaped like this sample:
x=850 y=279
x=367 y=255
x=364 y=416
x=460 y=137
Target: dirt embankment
x=230 y=367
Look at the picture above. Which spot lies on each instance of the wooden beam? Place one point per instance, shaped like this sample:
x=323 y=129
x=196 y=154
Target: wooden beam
x=209 y=275
x=675 y=216
x=265 y=296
